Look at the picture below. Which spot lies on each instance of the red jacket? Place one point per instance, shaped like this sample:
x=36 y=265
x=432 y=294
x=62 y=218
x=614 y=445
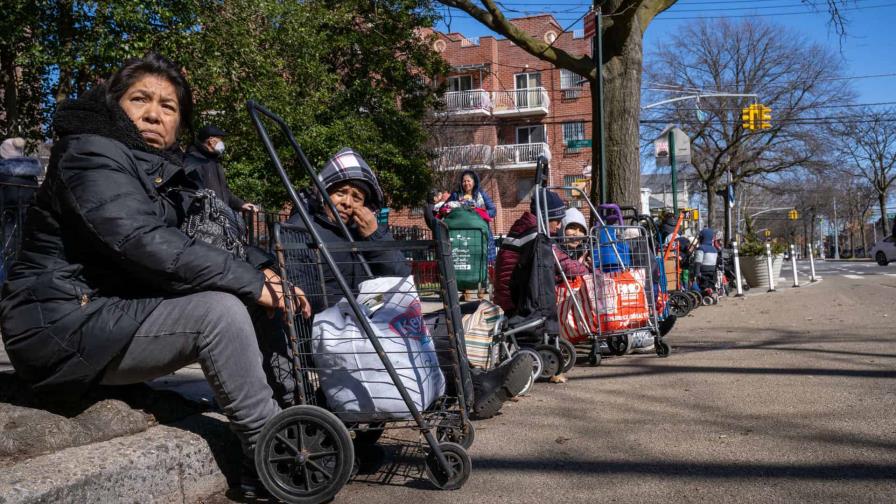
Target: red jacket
x=521 y=233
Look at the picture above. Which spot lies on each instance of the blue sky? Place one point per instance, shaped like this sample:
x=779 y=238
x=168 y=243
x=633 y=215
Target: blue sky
x=868 y=49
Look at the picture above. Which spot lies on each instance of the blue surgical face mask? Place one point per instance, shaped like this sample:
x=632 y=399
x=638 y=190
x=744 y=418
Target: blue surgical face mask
x=219 y=147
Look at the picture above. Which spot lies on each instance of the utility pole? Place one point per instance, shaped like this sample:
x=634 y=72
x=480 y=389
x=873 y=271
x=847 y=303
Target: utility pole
x=728 y=202
x=836 y=233
x=597 y=52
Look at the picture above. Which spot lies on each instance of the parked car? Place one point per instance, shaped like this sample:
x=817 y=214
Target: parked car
x=884 y=251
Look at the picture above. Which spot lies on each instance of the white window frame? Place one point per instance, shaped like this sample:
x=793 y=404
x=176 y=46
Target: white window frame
x=544 y=133
x=459 y=79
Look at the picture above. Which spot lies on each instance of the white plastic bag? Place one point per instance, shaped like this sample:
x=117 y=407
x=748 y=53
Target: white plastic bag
x=352 y=376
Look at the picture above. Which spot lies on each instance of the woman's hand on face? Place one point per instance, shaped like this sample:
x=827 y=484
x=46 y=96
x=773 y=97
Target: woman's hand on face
x=365 y=220
x=272 y=297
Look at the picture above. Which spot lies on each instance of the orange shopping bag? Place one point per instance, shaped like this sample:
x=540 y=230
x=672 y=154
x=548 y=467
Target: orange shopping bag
x=575 y=326
x=625 y=301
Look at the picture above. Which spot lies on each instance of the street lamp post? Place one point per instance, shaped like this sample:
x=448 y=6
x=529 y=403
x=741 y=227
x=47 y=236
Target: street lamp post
x=836 y=234
x=597 y=52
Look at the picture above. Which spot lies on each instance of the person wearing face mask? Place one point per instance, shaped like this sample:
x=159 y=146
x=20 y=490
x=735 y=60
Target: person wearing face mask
x=204 y=157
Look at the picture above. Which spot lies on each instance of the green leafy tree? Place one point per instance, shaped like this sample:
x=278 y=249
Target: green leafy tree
x=342 y=73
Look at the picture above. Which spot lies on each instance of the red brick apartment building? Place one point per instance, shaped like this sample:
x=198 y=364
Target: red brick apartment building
x=504 y=108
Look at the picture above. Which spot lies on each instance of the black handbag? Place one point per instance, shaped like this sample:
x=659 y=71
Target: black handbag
x=210 y=220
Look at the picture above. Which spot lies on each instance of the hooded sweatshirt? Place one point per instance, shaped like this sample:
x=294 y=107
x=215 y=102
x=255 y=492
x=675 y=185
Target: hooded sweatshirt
x=480 y=201
x=707 y=256
x=480 y=198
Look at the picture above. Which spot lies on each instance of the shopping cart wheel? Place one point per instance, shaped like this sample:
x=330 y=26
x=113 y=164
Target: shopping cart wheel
x=304 y=455
x=618 y=344
x=459 y=467
x=594 y=359
x=695 y=299
x=551 y=359
x=662 y=348
x=460 y=434
x=537 y=365
x=568 y=352
x=679 y=304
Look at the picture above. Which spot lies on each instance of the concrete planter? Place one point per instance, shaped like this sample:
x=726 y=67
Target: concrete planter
x=755 y=271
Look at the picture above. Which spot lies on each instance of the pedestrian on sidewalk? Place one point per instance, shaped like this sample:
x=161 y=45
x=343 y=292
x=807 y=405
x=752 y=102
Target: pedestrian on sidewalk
x=108 y=289
x=204 y=157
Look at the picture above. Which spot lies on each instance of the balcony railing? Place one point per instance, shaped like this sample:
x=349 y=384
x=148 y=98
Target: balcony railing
x=521 y=101
x=464 y=156
x=474 y=101
x=520 y=155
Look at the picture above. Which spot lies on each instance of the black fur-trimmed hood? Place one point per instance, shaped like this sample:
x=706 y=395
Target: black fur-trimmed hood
x=92 y=115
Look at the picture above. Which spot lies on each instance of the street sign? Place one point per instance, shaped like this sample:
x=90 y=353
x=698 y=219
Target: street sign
x=682 y=147
x=578 y=144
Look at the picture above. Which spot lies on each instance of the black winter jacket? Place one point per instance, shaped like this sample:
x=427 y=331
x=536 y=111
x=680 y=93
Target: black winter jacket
x=101 y=249
x=211 y=174
x=326 y=293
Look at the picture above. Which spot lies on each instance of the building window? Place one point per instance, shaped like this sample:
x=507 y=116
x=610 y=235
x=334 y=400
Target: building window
x=574 y=198
x=530 y=134
x=460 y=83
x=573 y=131
x=524 y=186
x=571 y=83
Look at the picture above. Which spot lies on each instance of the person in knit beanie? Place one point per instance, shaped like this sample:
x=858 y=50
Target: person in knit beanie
x=12 y=148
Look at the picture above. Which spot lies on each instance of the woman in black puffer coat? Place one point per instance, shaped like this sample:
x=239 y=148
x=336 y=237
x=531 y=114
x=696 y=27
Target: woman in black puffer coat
x=107 y=289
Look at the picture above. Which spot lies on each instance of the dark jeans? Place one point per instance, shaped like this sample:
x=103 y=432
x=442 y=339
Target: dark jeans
x=216 y=330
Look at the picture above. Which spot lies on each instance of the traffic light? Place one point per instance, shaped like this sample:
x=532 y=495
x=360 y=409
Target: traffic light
x=768 y=233
x=748 y=115
x=765 y=117
x=756 y=116
x=793 y=214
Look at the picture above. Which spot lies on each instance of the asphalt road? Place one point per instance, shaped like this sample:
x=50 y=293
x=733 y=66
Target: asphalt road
x=771 y=398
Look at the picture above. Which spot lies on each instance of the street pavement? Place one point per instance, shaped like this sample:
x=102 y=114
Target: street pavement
x=771 y=398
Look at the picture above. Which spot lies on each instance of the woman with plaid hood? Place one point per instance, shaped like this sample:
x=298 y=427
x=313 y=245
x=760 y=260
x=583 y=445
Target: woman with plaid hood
x=355 y=192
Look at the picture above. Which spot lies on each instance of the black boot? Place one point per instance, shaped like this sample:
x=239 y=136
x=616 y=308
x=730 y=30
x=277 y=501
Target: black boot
x=250 y=486
x=517 y=374
x=491 y=388
x=488 y=394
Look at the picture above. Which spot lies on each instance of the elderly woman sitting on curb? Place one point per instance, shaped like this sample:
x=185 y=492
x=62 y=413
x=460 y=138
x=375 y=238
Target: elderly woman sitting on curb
x=107 y=288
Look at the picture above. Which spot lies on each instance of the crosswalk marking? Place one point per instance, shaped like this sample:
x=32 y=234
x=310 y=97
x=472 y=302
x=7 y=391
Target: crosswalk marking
x=854 y=277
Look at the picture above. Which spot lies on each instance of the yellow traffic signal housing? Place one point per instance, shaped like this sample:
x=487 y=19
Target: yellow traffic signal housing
x=793 y=214
x=756 y=116
x=748 y=115
x=768 y=233
x=765 y=117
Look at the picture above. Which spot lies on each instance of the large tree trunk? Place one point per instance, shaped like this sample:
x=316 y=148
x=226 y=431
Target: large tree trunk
x=710 y=205
x=622 y=108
